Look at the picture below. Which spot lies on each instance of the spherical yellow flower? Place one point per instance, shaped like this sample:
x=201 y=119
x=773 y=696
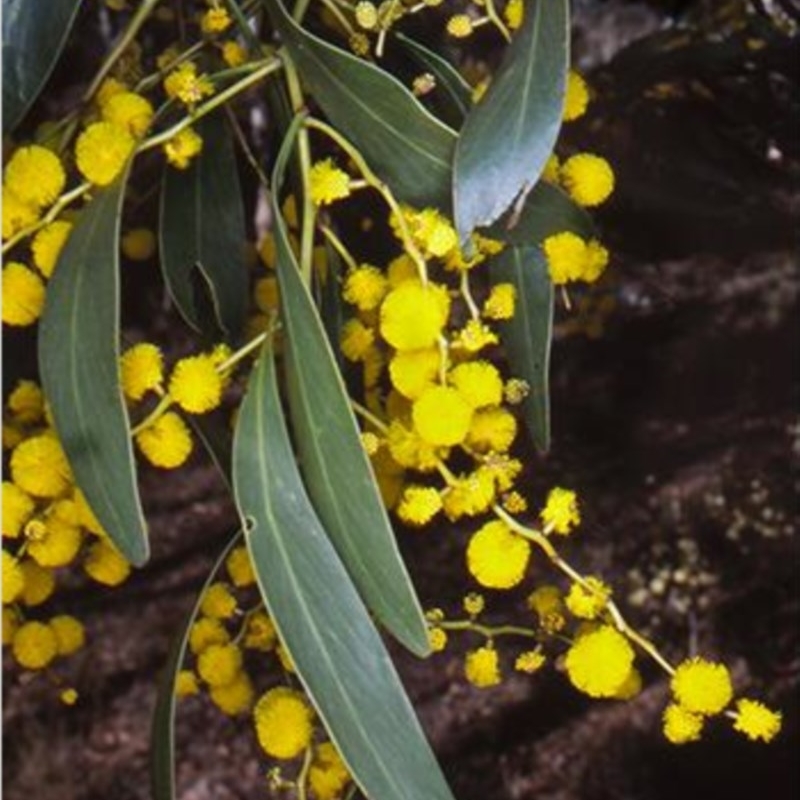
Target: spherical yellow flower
x=680 y=725
x=23 y=295
x=432 y=232
x=39 y=583
x=328 y=775
x=195 y=385
x=206 y=632
x=284 y=722
x=366 y=14
x=218 y=602
x=233 y=54
x=17 y=509
x=442 y=416
x=186 y=683
x=215 y=20
x=260 y=633
x=437 y=639
x=412 y=316
x=26 y=402
x=183 y=147
x=365 y=287
x=141 y=370
x=240 y=567
x=566 y=255
x=16 y=214
x=588 y=178
x=13 y=578
x=184 y=84
x=102 y=151
x=561 y=513
x=587 y=602
x=492 y=429
x=496 y=557
x=501 y=302
x=356 y=340
x=478 y=382
x=409 y=450
x=459 y=26
x=514 y=13
x=48 y=244
x=235 y=697
x=53 y=543
x=547 y=603
x=167 y=443
x=138 y=244
x=474 y=337
x=419 y=505
x=130 y=112
x=413 y=371
x=577 y=97
x=327 y=183
x=70 y=635
x=481 y=667
x=598 y=662
x=39 y=466
x=34 y=645
x=106 y=565
x=219 y=664
x=530 y=661
x=108 y=89
x=756 y=721
x=702 y=687
x=470 y=495
x=35 y=175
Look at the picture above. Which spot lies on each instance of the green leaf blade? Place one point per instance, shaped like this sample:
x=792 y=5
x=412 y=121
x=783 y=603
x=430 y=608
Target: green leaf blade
x=33 y=39
x=333 y=643
x=202 y=231
x=78 y=359
x=508 y=137
x=407 y=146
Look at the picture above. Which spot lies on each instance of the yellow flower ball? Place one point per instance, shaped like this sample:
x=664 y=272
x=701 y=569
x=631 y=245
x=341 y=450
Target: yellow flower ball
x=23 y=295
x=106 y=565
x=327 y=183
x=561 y=513
x=18 y=507
x=184 y=84
x=48 y=244
x=478 y=382
x=186 y=683
x=233 y=54
x=129 y=111
x=141 y=370
x=598 y=663
x=437 y=639
x=240 y=567
x=419 y=505
x=284 y=723
x=195 y=385
x=26 y=402
x=328 y=775
x=167 y=443
x=206 y=632
x=183 y=147
x=365 y=287
x=481 y=667
x=215 y=20
x=17 y=214
x=34 y=645
x=70 y=635
x=218 y=602
x=35 y=175
x=442 y=416
x=39 y=467
x=412 y=372
x=138 y=244
x=565 y=253
x=680 y=725
x=219 y=664
x=102 y=151
x=702 y=687
x=501 y=302
x=459 y=26
x=588 y=602
x=492 y=429
x=470 y=495
x=54 y=543
x=576 y=99
x=412 y=316
x=356 y=340
x=13 y=578
x=496 y=557
x=39 y=583
x=588 y=178
x=235 y=697
x=260 y=633
x=756 y=721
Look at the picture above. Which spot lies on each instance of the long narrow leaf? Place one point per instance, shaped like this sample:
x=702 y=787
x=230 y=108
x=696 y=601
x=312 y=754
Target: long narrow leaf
x=508 y=137
x=78 y=359
x=406 y=145
x=338 y=473
x=339 y=656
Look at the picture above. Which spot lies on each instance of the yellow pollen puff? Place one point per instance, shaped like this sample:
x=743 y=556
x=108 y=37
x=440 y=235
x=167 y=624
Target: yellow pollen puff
x=219 y=664
x=437 y=639
x=514 y=503
x=26 y=402
x=106 y=565
x=17 y=214
x=566 y=256
x=186 y=683
x=419 y=505
x=702 y=687
x=408 y=449
x=328 y=775
x=474 y=603
x=102 y=151
x=680 y=725
x=442 y=416
x=215 y=20
x=195 y=385
x=370 y=442
x=496 y=557
x=459 y=26
x=39 y=583
x=366 y=15
x=756 y=721
x=514 y=13
x=284 y=723
x=530 y=661
x=365 y=287
x=492 y=429
x=588 y=178
x=577 y=97
x=23 y=295
x=479 y=383
x=233 y=54
x=141 y=370
x=470 y=495
x=501 y=302
x=206 y=632
x=34 y=645
x=54 y=543
x=138 y=244
x=240 y=568
x=68 y=696
x=108 y=89
x=327 y=183
x=560 y=513
x=598 y=662
x=35 y=175
x=548 y=605
x=474 y=336
x=412 y=316
x=186 y=85
x=260 y=633
x=413 y=371
x=356 y=340
x=218 y=602
x=13 y=578
x=167 y=442
x=70 y=635
x=587 y=602
x=129 y=111
x=183 y=147
x=431 y=231
x=48 y=244
x=39 y=467
x=481 y=667
x=17 y=509
x=235 y=697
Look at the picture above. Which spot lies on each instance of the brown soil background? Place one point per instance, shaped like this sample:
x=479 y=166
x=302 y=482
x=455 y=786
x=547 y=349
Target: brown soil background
x=679 y=424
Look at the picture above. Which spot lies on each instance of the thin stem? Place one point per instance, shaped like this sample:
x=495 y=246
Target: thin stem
x=302 y=778
x=245 y=350
x=491 y=13
x=246 y=149
x=338 y=246
x=163 y=404
x=341 y=18
x=369 y=416
x=467 y=295
x=489 y=631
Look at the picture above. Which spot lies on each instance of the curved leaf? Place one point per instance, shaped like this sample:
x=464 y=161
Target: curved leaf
x=33 y=38
x=339 y=656
x=452 y=91
x=78 y=359
x=528 y=334
x=407 y=146
x=508 y=137
x=202 y=231
x=162 y=740
x=337 y=471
